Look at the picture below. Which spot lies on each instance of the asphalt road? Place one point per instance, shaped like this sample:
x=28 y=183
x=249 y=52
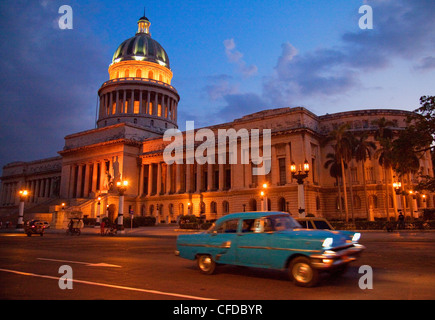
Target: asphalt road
x=145 y=268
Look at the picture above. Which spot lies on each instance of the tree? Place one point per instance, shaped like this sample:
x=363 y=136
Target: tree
x=363 y=151
x=384 y=135
x=343 y=153
x=334 y=166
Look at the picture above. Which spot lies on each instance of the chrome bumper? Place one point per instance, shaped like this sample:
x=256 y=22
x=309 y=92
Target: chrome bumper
x=332 y=259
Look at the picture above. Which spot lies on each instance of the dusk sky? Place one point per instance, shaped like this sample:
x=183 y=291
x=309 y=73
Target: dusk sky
x=229 y=59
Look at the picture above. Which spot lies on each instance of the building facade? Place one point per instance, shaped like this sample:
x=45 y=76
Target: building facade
x=138 y=105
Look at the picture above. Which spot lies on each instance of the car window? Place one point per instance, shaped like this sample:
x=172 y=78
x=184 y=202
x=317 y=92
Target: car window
x=321 y=225
x=303 y=223
x=229 y=226
x=248 y=225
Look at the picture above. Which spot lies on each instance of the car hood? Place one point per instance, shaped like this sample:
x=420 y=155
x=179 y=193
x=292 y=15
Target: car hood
x=313 y=235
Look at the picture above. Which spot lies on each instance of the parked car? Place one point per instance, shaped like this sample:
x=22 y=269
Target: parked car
x=34 y=227
x=272 y=240
x=314 y=223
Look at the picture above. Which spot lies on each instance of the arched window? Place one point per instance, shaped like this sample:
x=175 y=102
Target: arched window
x=373 y=201
x=202 y=207
x=138 y=73
x=252 y=205
x=127 y=73
x=281 y=204
x=181 y=209
x=225 y=207
x=213 y=207
x=150 y=75
x=357 y=202
x=317 y=203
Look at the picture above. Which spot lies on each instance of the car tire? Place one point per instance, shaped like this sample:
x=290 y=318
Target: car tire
x=302 y=272
x=29 y=234
x=206 y=264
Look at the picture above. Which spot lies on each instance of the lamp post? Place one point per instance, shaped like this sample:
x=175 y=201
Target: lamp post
x=23 y=196
x=414 y=207
x=300 y=175
x=97 y=221
x=397 y=188
x=263 y=194
x=122 y=187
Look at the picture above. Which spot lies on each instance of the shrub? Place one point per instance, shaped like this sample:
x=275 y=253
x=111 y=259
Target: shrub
x=142 y=221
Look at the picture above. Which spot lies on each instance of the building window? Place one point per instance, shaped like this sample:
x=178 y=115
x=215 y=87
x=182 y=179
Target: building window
x=213 y=207
x=226 y=207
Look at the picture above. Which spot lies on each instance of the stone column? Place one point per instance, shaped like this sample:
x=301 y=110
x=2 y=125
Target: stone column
x=198 y=178
x=150 y=179
x=188 y=178
x=210 y=177
x=141 y=178
x=178 y=171
x=79 y=181
x=159 y=178
x=287 y=163
x=168 y=178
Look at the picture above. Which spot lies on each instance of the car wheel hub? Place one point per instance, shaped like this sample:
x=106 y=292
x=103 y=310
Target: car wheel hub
x=302 y=272
x=205 y=263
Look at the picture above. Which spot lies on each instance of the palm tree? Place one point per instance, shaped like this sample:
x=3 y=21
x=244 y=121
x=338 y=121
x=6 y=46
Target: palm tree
x=385 y=156
x=335 y=172
x=386 y=160
x=363 y=151
x=343 y=153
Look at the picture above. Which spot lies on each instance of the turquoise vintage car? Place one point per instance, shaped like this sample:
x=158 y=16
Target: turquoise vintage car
x=271 y=240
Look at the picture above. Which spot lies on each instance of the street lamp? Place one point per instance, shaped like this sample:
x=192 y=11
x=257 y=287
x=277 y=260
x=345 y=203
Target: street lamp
x=23 y=196
x=397 y=188
x=97 y=221
x=300 y=175
x=263 y=194
x=122 y=187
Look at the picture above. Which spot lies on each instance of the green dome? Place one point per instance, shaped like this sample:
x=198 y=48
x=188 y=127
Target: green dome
x=142 y=47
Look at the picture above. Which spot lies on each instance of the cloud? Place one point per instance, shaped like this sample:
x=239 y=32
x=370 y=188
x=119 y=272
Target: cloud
x=49 y=80
x=236 y=57
x=426 y=64
x=219 y=86
x=403 y=29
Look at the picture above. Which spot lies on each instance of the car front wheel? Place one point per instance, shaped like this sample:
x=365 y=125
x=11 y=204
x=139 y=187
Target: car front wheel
x=302 y=273
x=206 y=264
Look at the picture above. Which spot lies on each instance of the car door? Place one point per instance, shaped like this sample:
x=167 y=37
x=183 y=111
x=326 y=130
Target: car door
x=221 y=243
x=253 y=243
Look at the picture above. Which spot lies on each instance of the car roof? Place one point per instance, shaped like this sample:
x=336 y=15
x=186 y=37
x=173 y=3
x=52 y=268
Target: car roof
x=251 y=215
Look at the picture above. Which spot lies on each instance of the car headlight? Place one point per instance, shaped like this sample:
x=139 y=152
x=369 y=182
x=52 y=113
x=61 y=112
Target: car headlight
x=356 y=237
x=327 y=243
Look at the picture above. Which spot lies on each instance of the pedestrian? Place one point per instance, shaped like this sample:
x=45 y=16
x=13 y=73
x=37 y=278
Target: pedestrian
x=401 y=218
x=102 y=226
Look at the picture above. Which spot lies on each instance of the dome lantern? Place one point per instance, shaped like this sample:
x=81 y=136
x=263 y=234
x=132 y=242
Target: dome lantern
x=143 y=25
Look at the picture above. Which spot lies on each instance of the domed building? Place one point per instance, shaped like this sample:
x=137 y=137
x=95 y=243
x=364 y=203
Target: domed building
x=119 y=167
x=139 y=90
